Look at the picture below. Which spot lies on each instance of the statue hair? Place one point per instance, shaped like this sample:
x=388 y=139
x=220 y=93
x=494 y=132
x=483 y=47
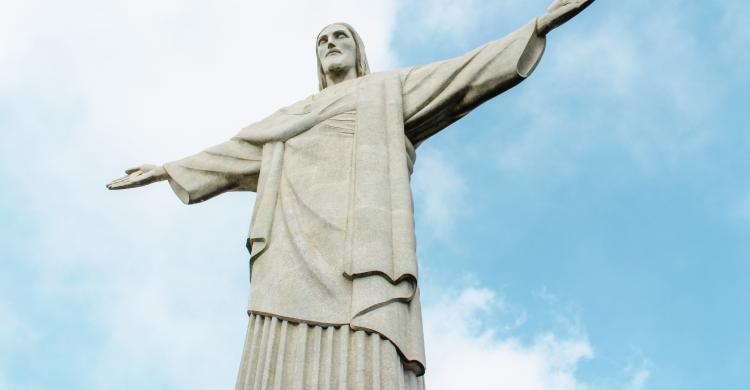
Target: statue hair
x=362 y=67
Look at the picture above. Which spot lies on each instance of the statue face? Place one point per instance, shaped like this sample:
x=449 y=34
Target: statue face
x=337 y=50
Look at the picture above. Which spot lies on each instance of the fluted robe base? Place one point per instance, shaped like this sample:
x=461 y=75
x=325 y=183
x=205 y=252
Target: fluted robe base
x=282 y=355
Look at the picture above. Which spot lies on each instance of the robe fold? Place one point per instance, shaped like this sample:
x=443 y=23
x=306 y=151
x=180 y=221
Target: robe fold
x=332 y=234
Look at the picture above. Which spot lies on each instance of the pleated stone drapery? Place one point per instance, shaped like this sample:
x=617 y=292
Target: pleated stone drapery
x=282 y=355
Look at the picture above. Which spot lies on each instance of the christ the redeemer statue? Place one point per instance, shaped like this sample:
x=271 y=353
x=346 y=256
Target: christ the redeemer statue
x=334 y=296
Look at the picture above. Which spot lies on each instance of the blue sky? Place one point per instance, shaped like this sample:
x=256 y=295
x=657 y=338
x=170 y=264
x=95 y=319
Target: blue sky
x=589 y=229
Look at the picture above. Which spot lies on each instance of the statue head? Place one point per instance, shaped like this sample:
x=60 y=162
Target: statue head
x=338 y=49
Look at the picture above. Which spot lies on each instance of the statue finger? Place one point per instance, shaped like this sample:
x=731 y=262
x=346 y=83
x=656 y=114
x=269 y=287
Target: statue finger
x=121 y=185
x=125 y=186
x=119 y=180
x=128 y=177
x=134 y=179
x=131 y=182
x=132 y=170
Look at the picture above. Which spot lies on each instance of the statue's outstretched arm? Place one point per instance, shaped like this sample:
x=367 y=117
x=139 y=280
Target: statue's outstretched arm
x=560 y=12
x=230 y=166
x=438 y=94
x=139 y=176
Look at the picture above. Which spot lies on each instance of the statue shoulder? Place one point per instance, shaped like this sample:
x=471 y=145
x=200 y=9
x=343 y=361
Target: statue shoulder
x=298 y=108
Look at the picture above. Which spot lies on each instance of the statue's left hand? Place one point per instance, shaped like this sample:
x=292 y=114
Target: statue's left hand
x=139 y=176
x=560 y=12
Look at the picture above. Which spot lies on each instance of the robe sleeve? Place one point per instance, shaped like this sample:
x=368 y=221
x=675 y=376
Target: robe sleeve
x=231 y=166
x=438 y=94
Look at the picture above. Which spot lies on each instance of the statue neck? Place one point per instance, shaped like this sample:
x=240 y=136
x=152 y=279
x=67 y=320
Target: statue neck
x=335 y=77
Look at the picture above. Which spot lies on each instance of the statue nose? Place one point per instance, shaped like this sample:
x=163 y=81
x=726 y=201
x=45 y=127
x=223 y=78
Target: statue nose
x=331 y=45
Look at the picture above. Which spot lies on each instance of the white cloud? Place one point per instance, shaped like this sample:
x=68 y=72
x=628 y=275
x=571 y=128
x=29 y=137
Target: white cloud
x=441 y=191
x=90 y=88
x=742 y=208
x=546 y=296
x=472 y=340
x=459 y=22
x=10 y=325
x=466 y=352
x=735 y=25
x=451 y=17
x=15 y=334
x=634 y=375
x=638 y=377
x=649 y=94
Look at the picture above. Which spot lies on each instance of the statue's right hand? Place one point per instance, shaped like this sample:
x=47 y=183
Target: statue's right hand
x=559 y=12
x=139 y=176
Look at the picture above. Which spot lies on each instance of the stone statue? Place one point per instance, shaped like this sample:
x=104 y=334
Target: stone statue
x=334 y=297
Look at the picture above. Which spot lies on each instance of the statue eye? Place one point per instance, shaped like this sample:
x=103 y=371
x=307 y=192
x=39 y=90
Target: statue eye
x=322 y=40
x=340 y=35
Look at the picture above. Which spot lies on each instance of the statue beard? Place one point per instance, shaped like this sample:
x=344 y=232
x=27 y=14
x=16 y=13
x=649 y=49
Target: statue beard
x=337 y=68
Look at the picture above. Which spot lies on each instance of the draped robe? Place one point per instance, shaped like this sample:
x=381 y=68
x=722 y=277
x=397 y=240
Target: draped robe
x=332 y=235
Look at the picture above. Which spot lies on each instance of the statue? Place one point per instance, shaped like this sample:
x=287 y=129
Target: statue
x=334 y=294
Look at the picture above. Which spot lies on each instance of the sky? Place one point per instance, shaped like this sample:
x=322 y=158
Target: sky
x=589 y=229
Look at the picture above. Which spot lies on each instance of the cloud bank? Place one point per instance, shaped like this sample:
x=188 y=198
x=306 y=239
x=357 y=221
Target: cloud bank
x=133 y=290
x=465 y=351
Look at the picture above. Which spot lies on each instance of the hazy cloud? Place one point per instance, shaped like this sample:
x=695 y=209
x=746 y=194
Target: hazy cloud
x=441 y=191
x=734 y=23
x=638 y=376
x=465 y=350
x=631 y=106
x=458 y=22
x=15 y=334
x=10 y=325
x=472 y=342
x=546 y=296
x=89 y=89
